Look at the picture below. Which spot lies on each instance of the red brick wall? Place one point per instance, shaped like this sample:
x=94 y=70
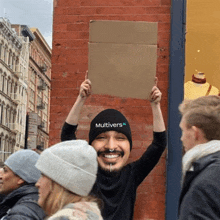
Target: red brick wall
x=70 y=62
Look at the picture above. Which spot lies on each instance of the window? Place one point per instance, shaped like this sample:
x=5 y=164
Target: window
x=17 y=65
x=15 y=90
x=33 y=76
x=13 y=62
x=5 y=54
x=3 y=83
x=12 y=89
x=1 y=147
x=6 y=152
x=1 y=113
x=10 y=59
x=6 y=117
x=32 y=95
x=1 y=79
x=1 y=50
x=7 y=88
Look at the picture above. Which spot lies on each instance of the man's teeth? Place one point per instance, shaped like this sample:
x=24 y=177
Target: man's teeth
x=111 y=156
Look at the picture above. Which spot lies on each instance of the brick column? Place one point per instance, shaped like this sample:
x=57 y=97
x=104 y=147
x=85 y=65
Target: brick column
x=70 y=62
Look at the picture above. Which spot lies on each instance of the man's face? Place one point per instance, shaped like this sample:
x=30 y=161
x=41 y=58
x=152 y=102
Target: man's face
x=188 y=135
x=8 y=181
x=113 y=149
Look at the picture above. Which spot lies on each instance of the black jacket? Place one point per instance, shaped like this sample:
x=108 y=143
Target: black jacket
x=200 y=195
x=21 y=204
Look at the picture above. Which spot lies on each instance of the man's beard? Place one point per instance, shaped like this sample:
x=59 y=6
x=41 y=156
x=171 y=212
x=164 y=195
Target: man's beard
x=108 y=172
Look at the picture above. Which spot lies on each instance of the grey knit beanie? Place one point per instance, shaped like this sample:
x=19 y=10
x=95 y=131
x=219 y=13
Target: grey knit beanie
x=22 y=163
x=72 y=164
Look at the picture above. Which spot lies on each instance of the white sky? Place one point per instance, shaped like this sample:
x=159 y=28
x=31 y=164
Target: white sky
x=33 y=13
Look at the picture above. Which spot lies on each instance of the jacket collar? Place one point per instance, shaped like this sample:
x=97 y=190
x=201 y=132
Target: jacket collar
x=198 y=152
x=20 y=192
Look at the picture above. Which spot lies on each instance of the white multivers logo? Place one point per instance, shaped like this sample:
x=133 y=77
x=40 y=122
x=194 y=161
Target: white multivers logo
x=109 y=125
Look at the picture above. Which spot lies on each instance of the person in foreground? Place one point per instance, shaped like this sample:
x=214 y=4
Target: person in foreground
x=110 y=135
x=200 y=125
x=68 y=173
x=17 y=184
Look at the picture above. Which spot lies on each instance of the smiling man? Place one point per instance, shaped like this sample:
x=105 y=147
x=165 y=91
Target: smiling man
x=17 y=184
x=110 y=135
x=200 y=125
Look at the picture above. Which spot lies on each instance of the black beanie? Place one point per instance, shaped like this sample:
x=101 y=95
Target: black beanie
x=109 y=120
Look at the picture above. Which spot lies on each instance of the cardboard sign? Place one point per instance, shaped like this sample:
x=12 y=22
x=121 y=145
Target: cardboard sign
x=122 y=58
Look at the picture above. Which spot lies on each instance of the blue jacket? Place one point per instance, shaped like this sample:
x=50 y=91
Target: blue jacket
x=200 y=196
x=21 y=204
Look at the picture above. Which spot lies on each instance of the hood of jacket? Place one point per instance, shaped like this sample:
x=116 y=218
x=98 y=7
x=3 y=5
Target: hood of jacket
x=203 y=162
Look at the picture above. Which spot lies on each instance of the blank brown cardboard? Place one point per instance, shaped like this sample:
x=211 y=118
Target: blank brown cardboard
x=122 y=68
x=125 y=32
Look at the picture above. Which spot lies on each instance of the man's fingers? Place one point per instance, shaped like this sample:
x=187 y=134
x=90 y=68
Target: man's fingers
x=156 y=81
x=155 y=94
x=154 y=89
x=86 y=76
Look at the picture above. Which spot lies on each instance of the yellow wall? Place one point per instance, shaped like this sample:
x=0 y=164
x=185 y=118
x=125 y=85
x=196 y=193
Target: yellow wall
x=203 y=40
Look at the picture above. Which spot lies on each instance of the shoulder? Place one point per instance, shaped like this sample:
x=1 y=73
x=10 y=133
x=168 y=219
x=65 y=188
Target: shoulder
x=203 y=196
x=26 y=208
x=214 y=91
x=64 y=214
x=80 y=210
x=209 y=176
x=206 y=182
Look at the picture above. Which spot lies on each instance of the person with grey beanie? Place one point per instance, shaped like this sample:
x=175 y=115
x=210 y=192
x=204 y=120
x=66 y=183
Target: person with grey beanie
x=110 y=135
x=17 y=184
x=68 y=173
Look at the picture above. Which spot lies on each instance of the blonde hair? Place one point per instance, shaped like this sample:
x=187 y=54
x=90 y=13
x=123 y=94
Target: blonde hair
x=59 y=197
x=204 y=113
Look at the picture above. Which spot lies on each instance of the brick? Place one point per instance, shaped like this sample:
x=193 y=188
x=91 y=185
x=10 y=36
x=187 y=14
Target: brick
x=58 y=11
x=76 y=59
x=76 y=43
x=62 y=101
x=67 y=3
x=164 y=27
x=64 y=84
x=60 y=27
x=78 y=27
x=54 y=133
x=59 y=59
x=64 y=92
x=120 y=3
x=165 y=2
x=78 y=69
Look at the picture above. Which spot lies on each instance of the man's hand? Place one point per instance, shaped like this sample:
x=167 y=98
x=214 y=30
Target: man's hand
x=85 y=88
x=156 y=94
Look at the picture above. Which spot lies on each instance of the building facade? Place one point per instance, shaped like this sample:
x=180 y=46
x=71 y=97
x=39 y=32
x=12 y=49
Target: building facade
x=39 y=92
x=14 y=52
x=25 y=74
